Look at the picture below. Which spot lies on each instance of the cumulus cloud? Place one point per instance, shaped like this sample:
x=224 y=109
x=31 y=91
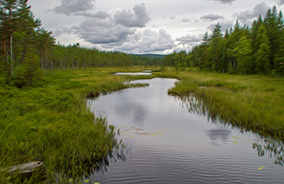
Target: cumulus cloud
x=190 y=39
x=186 y=20
x=259 y=9
x=69 y=7
x=99 y=15
x=149 y=40
x=109 y=28
x=280 y=2
x=211 y=17
x=102 y=31
x=225 y=24
x=124 y=31
x=137 y=19
x=224 y=1
x=61 y=31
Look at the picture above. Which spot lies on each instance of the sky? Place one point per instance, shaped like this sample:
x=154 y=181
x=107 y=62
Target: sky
x=143 y=26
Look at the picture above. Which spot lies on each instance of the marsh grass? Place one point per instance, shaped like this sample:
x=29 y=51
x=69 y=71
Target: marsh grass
x=250 y=102
x=51 y=123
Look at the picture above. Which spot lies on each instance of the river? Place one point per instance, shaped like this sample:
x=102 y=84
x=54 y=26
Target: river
x=168 y=143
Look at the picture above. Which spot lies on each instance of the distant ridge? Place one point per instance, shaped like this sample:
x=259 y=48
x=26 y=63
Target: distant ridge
x=151 y=56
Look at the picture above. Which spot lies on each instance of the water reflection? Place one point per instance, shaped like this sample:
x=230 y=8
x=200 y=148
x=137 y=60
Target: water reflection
x=219 y=134
x=171 y=145
x=139 y=115
x=274 y=148
x=85 y=170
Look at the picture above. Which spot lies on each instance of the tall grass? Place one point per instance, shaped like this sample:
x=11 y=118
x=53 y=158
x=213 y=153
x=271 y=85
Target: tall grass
x=51 y=123
x=249 y=102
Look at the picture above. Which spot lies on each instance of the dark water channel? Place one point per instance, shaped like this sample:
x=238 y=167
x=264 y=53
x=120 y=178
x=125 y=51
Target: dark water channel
x=167 y=143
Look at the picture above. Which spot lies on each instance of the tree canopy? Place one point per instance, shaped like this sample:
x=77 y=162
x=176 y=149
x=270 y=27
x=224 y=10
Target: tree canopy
x=258 y=49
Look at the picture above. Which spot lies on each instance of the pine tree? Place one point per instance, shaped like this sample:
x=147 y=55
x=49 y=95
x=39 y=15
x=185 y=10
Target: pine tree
x=216 y=49
x=274 y=25
x=244 y=52
x=29 y=72
x=263 y=51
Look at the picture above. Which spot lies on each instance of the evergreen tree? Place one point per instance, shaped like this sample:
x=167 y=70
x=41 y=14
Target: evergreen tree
x=216 y=49
x=29 y=71
x=273 y=25
x=244 y=52
x=263 y=51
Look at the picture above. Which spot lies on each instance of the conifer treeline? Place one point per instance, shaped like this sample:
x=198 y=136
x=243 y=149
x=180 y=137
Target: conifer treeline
x=24 y=44
x=258 y=49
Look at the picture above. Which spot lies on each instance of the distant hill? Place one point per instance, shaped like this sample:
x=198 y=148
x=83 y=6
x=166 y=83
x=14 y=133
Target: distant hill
x=152 y=56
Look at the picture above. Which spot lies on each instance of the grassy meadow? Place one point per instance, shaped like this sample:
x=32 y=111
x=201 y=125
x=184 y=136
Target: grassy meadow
x=250 y=102
x=50 y=122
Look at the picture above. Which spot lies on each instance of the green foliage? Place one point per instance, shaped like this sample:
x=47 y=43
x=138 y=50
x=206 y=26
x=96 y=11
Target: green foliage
x=51 y=123
x=28 y=73
x=256 y=50
x=252 y=103
x=243 y=53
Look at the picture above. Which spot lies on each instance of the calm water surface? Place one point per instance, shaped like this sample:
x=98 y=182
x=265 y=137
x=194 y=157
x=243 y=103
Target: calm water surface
x=168 y=144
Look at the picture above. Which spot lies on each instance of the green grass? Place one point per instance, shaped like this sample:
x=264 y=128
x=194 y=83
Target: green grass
x=50 y=123
x=249 y=102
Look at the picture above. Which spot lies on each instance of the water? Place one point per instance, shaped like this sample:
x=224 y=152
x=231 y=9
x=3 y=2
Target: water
x=167 y=143
x=141 y=73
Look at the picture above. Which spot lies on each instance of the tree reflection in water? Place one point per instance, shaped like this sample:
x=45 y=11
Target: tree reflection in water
x=88 y=168
x=273 y=147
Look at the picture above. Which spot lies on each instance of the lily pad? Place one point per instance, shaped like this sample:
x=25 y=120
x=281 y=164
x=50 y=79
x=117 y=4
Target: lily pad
x=86 y=181
x=235 y=142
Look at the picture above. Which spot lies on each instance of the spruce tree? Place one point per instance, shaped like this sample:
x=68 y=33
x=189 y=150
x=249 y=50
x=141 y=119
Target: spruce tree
x=263 y=51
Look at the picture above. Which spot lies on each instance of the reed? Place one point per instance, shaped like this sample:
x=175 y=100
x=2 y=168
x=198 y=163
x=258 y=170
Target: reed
x=51 y=123
x=250 y=102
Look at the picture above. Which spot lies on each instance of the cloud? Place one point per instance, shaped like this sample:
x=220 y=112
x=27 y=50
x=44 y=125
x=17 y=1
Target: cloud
x=99 y=15
x=61 y=31
x=123 y=31
x=225 y=24
x=259 y=9
x=186 y=20
x=102 y=31
x=211 y=17
x=224 y=1
x=111 y=28
x=148 y=41
x=137 y=19
x=280 y=2
x=69 y=7
x=190 y=39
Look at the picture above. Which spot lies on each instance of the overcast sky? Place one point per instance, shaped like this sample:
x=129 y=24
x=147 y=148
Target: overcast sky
x=143 y=26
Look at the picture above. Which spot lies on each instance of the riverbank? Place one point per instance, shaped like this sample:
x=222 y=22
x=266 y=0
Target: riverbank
x=250 y=102
x=50 y=123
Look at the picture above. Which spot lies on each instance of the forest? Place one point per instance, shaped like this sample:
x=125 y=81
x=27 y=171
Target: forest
x=27 y=48
x=255 y=49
